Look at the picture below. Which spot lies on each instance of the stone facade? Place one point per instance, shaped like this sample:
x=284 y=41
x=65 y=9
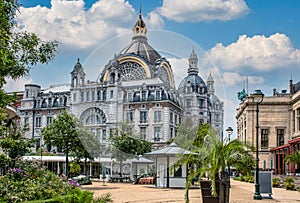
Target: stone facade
x=278 y=122
x=136 y=87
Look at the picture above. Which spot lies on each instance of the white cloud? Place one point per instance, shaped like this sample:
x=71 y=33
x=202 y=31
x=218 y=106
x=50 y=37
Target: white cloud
x=258 y=52
x=231 y=78
x=68 y=21
x=154 y=20
x=203 y=10
x=16 y=85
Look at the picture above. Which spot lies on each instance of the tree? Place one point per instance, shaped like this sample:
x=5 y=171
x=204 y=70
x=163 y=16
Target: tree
x=19 y=51
x=294 y=158
x=63 y=134
x=126 y=145
x=89 y=148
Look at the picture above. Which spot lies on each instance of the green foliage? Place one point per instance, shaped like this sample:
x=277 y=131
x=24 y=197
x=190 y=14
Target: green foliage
x=289 y=183
x=293 y=158
x=75 y=168
x=19 y=51
x=126 y=145
x=212 y=155
x=31 y=183
x=276 y=182
x=63 y=133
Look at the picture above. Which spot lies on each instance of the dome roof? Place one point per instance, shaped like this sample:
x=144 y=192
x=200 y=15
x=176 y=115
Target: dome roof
x=140 y=46
x=195 y=81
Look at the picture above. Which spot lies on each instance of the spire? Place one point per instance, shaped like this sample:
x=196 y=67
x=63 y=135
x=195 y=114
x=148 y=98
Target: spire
x=140 y=28
x=210 y=84
x=193 y=63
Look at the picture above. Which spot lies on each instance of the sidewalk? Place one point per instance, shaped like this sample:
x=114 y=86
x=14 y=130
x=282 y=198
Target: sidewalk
x=240 y=192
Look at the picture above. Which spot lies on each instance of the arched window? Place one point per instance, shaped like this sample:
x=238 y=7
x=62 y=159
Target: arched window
x=88 y=96
x=82 y=96
x=104 y=95
x=93 y=96
x=99 y=95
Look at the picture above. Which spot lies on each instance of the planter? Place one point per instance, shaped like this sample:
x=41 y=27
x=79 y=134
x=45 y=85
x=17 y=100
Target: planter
x=222 y=187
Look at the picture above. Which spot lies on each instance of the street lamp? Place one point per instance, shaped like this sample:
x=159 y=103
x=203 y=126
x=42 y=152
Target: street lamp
x=257 y=98
x=229 y=131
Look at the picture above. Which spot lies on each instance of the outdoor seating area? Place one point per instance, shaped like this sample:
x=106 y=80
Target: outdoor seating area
x=151 y=180
x=118 y=179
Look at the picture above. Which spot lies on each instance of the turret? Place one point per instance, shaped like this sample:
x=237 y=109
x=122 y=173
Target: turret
x=77 y=75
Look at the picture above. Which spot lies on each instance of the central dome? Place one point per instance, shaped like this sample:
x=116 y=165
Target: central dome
x=139 y=46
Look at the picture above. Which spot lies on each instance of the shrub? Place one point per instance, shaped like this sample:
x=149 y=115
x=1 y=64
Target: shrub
x=31 y=183
x=289 y=183
x=276 y=182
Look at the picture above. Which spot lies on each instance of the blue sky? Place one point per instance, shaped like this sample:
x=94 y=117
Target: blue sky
x=234 y=39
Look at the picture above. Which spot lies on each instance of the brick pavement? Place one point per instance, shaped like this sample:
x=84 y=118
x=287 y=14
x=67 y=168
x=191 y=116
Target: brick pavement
x=240 y=192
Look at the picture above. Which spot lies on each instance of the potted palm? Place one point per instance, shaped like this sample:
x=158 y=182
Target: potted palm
x=219 y=156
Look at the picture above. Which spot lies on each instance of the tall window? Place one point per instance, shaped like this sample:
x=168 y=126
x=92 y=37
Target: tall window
x=130 y=116
x=157 y=133
x=143 y=117
x=82 y=96
x=157 y=116
x=171 y=118
x=99 y=95
x=143 y=131
x=104 y=95
x=26 y=121
x=74 y=97
x=93 y=96
x=104 y=134
x=38 y=122
x=111 y=94
x=264 y=138
x=201 y=103
x=144 y=95
x=157 y=95
x=49 y=120
x=298 y=119
x=280 y=137
x=188 y=103
x=88 y=96
x=293 y=122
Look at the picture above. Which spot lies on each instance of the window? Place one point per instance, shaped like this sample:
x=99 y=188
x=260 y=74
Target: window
x=38 y=122
x=293 y=121
x=49 y=120
x=157 y=133
x=143 y=117
x=26 y=94
x=264 y=138
x=88 y=96
x=111 y=94
x=129 y=96
x=157 y=95
x=177 y=171
x=143 y=131
x=280 y=137
x=99 y=95
x=104 y=95
x=93 y=96
x=157 y=116
x=143 y=95
x=82 y=96
x=171 y=117
x=130 y=116
x=103 y=134
x=26 y=121
x=188 y=103
x=201 y=103
x=98 y=134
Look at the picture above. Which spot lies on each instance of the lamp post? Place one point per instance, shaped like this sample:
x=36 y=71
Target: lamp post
x=229 y=131
x=257 y=97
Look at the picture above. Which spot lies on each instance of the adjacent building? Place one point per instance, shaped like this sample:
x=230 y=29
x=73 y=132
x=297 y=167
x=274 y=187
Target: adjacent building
x=279 y=127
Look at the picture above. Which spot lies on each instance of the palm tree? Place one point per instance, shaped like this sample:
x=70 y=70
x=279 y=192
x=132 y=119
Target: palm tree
x=219 y=154
x=211 y=156
x=294 y=158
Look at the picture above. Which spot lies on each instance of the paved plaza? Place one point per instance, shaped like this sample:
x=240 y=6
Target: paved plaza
x=240 y=192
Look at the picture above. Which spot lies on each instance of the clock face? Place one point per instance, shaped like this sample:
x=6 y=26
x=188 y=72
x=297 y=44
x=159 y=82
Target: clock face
x=93 y=116
x=131 y=71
